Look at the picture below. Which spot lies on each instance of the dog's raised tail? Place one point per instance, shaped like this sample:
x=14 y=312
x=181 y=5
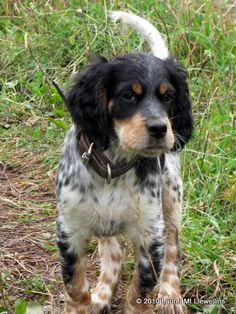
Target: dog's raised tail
x=146 y=29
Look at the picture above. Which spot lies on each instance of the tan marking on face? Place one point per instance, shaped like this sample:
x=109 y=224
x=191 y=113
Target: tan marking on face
x=163 y=88
x=132 y=132
x=137 y=88
x=133 y=135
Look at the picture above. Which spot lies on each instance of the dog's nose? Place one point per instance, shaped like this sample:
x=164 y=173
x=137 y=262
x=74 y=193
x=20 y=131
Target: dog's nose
x=157 y=129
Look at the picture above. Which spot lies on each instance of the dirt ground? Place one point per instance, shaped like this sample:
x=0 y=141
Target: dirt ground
x=29 y=262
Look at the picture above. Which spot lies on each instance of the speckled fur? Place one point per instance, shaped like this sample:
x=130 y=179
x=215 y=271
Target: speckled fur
x=132 y=105
x=89 y=206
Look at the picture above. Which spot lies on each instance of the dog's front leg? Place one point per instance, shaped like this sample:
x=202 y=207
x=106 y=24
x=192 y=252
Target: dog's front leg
x=148 y=267
x=169 y=280
x=111 y=262
x=77 y=295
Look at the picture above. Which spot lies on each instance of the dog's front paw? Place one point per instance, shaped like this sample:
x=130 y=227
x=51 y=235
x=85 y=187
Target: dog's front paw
x=171 y=309
x=100 y=303
x=170 y=305
x=98 y=309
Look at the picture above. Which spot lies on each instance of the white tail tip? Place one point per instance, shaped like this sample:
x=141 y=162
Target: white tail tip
x=146 y=29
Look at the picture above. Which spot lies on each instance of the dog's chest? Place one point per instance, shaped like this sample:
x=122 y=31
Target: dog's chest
x=97 y=207
x=112 y=207
x=111 y=200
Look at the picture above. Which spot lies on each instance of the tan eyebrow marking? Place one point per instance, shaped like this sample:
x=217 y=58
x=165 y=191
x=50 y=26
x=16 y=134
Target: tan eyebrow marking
x=163 y=88
x=137 y=88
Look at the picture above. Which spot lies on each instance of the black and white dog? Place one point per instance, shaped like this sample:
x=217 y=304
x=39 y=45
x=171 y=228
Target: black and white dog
x=119 y=173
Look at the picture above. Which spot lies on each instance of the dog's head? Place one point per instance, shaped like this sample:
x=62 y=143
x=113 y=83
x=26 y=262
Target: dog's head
x=139 y=99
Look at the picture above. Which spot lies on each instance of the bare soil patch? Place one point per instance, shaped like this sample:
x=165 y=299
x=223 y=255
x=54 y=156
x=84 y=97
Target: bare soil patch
x=29 y=262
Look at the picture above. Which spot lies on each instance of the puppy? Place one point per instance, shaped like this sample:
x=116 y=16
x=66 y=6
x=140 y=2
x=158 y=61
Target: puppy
x=119 y=173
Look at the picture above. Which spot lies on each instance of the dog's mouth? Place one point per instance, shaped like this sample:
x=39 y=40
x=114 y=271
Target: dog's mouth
x=151 y=151
x=147 y=151
x=153 y=148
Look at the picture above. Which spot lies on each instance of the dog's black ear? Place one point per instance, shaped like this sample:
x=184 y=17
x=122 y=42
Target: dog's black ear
x=87 y=102
x=181 y=113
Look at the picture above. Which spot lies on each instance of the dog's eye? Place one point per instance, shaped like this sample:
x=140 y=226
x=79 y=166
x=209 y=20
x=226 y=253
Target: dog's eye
x=128 y=96
x=167 y=97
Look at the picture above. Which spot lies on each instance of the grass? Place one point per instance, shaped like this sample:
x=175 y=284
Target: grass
x=41 y=41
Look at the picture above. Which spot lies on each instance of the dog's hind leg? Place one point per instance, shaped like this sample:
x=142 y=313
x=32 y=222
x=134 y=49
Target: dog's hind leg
x=111 y=262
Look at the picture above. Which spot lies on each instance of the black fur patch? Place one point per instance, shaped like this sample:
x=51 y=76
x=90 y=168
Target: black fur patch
x=68 y=259
x=145 y=167
x=147 y=275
